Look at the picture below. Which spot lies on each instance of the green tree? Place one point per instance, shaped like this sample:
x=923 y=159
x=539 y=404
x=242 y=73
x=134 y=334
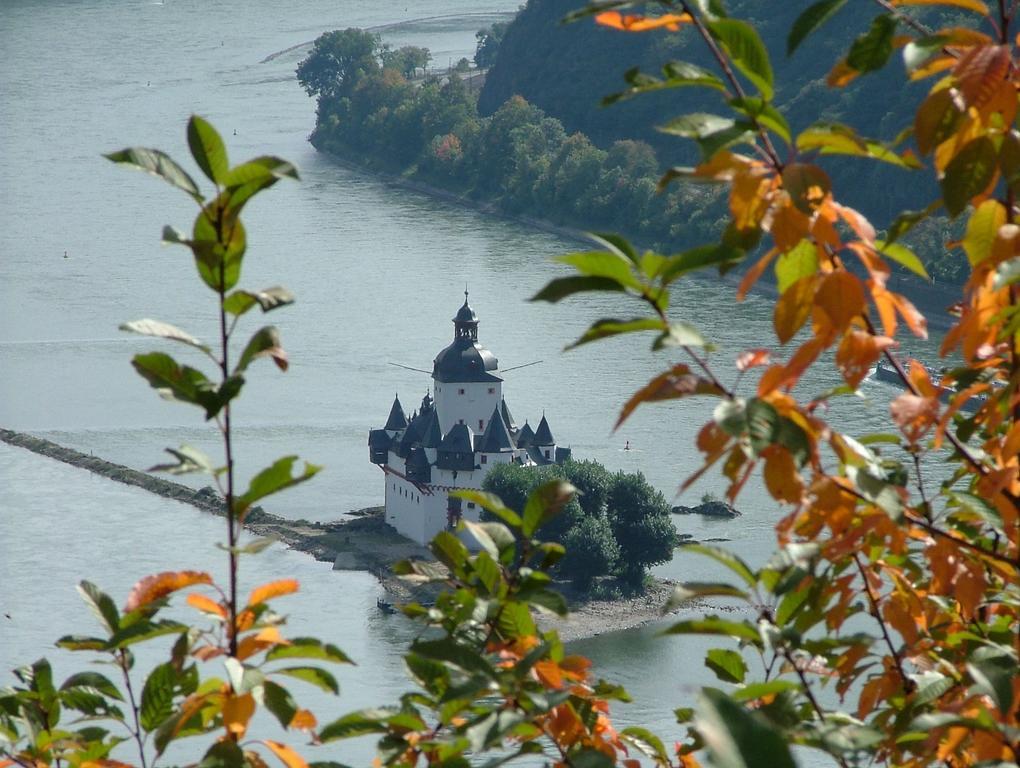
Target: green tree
x=407 y=60
x=592 y=551
x=337 y=60
x=592 y=481
x=640 y=520
x=488 y=44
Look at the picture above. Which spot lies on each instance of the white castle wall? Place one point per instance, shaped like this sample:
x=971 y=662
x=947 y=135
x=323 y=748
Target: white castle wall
x=471 y=402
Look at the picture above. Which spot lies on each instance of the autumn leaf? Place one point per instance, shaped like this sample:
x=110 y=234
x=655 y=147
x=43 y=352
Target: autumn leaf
x=162 y=584
x=677 y=382
x=206 y=605
x=752 y=358
x=272 y=589
x=858 y=352
x=237 y=711
x=781 y=476
x=286 y=754
x=638 y=23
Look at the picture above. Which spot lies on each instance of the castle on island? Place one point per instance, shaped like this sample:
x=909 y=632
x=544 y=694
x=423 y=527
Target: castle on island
x=454 y=438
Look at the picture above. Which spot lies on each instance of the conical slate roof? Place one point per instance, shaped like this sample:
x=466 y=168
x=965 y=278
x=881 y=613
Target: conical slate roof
x=508 y=417
x=526 y=436
x=432 y=435
x=543 y=435
x=397 y=419
x=458 y=439
x=496 y=438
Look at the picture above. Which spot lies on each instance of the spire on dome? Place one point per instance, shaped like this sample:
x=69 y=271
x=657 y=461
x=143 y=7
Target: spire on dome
x=465 y=322
x=496 y=438
x=543 y=435
x=397 y=419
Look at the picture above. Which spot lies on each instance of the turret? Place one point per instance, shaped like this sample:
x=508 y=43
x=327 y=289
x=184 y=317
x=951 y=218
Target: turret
x=397 y=419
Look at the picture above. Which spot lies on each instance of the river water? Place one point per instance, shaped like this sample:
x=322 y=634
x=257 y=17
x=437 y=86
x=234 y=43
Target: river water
x=378 y=272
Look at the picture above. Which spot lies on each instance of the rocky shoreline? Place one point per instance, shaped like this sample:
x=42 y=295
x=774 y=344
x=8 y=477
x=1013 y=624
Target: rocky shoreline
x=363 y=543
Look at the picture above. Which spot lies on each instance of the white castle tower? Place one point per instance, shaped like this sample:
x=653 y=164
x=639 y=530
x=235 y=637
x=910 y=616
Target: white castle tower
x=453 y=441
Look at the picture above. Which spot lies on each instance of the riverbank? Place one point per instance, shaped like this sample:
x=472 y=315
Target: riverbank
x=362 y=543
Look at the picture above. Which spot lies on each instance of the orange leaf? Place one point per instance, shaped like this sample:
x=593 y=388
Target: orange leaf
x=841 y=297
x=162 y=584
x=272 y=589
x=971 y=5
x=287 y=755
x=857 y=352
x=206 y=605
x=793 y=307
x=674 y=383
x=755 y=272
x=781 y=475
x=914 y=415
x=979 y=73
x=789 y=226
x=752 y=358
x=261 y=640
x=549 y=673
x=638 y=23
x=237 y=711
x=303 y=720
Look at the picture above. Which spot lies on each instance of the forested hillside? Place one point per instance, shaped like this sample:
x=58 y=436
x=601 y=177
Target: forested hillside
x=564 y=69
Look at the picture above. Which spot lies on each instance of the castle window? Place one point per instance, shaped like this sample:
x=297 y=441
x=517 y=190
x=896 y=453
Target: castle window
x=460 y=421
x=481 y=424
x=460 y=391
x=485 y=459
x=492 y=390
x=471 y=505
x=547 y=454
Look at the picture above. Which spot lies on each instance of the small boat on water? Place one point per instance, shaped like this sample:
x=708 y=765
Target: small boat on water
x=385 y=606
x=887 y=373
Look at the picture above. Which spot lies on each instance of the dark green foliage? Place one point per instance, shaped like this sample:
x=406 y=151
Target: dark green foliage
x=617 y=525
x=640 y=519
x=591 y=550
x=489 y=40
x=337 y=60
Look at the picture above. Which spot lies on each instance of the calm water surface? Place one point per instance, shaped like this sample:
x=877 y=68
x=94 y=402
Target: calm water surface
x=378 y=272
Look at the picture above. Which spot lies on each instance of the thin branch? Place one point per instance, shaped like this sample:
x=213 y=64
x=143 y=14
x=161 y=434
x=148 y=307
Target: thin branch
x=699 y=361
x=908 y=684
x=936 y=531
x=738 y=89
x=819 y=712
x=914 y=24
x=137 y=730
x=920 y=484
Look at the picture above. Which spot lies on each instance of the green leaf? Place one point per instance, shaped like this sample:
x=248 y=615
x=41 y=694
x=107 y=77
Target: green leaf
x=611 y=326
x=993 y=671
x=218 y=249
x=907 y=220
x=278 y=700
x=603 y=264
x=144 y=630
x=647 y=743
x=726 y=558
x=679 y=334
x=711 y=132
x=749 y=54
x=713 y=625
x=691 y=590
x=675 y=74
x=969 y=173
x=240 y=302
x=756 y=691
x=838 y=139
x=81 y=643
x=314 y=675
x=872 y=50
x=450 y=652
x=208 y=149
x=189 y=459
x=936 y=120
x=265 y=342
x=727 y=664
x=791 y=266
x=94 y=683
x=561 y=287
x=809 y=21
x=544 y=503
x=308 y=648
x=101 y=605
x=737 y=738
x=158 y=696
x=515 y=620
x=223 y=754
x=903 y=256
x=147 y=327
x=259 y=169
x=491 y=503
x=449 y=550
x=485 y=568
x=178 y=382
x=273 y=479
x=765 y=114
x=717 y=254
x=357 y=724
x=614 y=243
x=158 y=164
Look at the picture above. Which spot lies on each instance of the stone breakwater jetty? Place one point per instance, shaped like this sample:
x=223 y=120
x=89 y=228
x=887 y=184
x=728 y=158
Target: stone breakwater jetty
x=363 y=543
